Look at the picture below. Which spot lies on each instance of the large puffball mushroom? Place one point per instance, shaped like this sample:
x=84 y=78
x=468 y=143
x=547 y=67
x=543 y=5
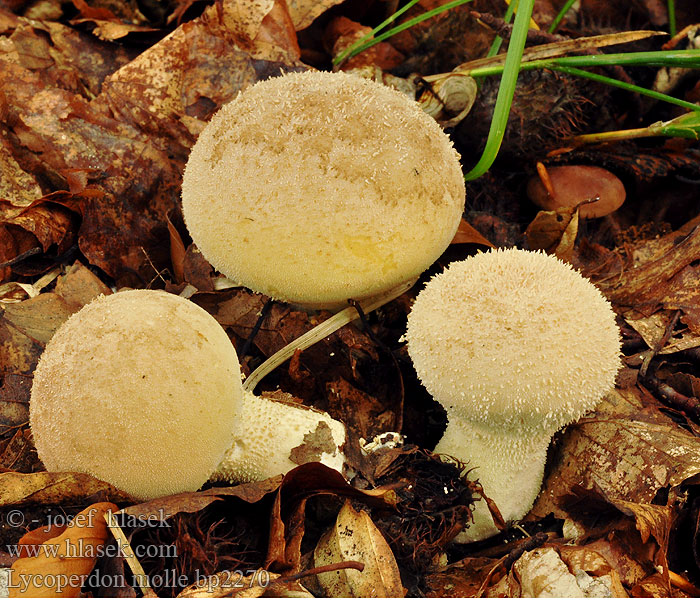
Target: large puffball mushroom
x=140 y=389
x=274 y=436
x=514 y=345
x=317 y=187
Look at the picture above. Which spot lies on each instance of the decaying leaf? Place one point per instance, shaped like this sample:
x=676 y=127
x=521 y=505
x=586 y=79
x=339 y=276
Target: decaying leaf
x=355 y=537
x=76 y=550
x=627 y=448
x=53 y=488
x=554 y=231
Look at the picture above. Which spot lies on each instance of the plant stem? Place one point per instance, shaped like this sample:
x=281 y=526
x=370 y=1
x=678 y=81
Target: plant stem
x=626 y=86
x=360 y=46
x=560 y=15
x=498 y=41
x=672 y=17
x=351 y=49
x=506 y=90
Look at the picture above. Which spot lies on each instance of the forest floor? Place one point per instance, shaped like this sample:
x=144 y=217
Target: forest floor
x=100 y=103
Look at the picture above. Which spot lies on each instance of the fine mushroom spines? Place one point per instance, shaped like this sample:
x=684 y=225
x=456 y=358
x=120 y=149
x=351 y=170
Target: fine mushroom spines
x=524 y=331
x=140 y=389
x=317 y=187
x=514 y=345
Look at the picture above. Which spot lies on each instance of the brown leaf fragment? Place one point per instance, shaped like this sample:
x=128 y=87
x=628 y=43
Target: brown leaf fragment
x=76 y=551
x=315 y=444
x=18 y=453
x=192 y=502
x=627 y=448
x=354 y=537
x=646 y=285
x=466 y=234
x=460 y=580
x=53 y=488
x=79 y=286
x=554 y=231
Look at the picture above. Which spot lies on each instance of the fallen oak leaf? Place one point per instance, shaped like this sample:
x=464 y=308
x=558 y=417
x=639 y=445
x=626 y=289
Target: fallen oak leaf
x=63 y=562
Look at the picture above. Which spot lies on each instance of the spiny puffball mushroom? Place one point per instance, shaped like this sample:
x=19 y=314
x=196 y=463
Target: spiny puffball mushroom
x=273 y=437
x=140 y=389
x=317 y=187
x=574 y=184
x=514 y=345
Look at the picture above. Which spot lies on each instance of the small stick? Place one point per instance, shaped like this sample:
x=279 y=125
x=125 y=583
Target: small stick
x=129 y=556
x=322 y=330
x=545 y=179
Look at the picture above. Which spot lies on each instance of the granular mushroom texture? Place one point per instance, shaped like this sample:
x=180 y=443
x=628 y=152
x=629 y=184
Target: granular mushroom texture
x=140 y=389
x=272 y=437
x=515 y=345
x=318 y=187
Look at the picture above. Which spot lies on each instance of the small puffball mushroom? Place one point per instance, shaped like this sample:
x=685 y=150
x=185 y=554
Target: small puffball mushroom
x=574 y=184
x=273 y=437
x=317 y=187
x=514 y=345
x=140 y=389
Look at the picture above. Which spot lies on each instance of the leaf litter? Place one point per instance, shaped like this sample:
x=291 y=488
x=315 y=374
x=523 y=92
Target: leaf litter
x=98 y=113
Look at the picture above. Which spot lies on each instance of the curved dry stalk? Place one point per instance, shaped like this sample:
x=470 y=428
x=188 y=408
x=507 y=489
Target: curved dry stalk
x=322 y=330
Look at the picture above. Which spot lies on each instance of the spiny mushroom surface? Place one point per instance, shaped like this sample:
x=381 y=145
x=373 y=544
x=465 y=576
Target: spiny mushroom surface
x=140 y=389
x=318 y=187
x=515 y=345
x=273 y=437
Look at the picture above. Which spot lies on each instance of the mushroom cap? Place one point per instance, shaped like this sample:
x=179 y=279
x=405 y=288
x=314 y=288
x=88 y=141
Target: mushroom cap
x=514 y=339
x=273 y=436
x=317 y=187
x=574 y=184
x=140 y=389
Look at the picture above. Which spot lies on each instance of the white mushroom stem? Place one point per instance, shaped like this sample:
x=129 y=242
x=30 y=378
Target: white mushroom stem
x=272 y=437
x=509 y=464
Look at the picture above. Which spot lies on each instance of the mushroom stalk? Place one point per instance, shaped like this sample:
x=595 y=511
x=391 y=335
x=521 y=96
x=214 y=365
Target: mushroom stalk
x=509 y=465
x=514 y=345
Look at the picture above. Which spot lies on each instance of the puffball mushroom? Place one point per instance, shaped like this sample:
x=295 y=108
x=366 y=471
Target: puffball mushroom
x=140 y=389
x=514 y=345
x=317 y=187
x=273 y=437
x=574 y=184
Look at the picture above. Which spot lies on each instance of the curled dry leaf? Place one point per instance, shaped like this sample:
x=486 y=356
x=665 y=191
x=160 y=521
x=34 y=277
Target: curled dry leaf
x=53 y=488
x=355 y=537
x=76 y=550
x=554 y=231
x=627 y=447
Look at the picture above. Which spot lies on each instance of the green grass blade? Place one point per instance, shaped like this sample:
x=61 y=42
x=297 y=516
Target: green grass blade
x=346 y=53
x=626 y=86
x=561 y=14
x=672 y=16
x=358 y=47
x=506 y=90
x=498 y=42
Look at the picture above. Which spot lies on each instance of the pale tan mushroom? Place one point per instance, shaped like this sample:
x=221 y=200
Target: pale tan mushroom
x=514 y=345
x=596 y=190
x=319 y=187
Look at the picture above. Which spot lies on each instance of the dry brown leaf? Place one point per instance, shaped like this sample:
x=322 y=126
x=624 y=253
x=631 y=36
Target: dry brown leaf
x=466 y=234
x=298 y=485
x=554 y=231
x=190 y=502
x=79 y=286
x=53 y=488
x=354 y=537
x=460 y=580
x=303 y=12
x=76 y=551
x=627 y=448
